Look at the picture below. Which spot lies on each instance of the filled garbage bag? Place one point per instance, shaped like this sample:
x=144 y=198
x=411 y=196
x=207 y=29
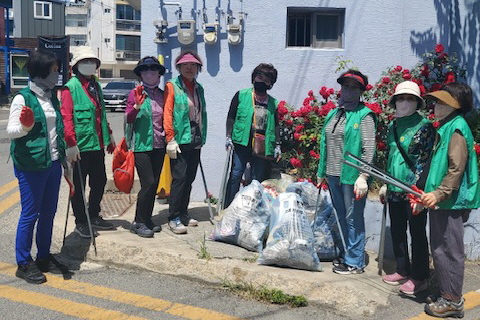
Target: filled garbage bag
x=308 y=192
x=290 y=242
x=244 y=222
x=328 y=241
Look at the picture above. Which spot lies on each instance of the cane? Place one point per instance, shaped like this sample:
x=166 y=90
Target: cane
x=381 y=245
x=206 y=192
x=82 y=186
x=223 y=185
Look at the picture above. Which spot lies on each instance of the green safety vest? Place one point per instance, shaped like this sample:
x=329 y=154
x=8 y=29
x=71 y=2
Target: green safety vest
x=468 y=194
x=142 y=129
x=352 y=142
x=181 y=113
x=32 y=151
x=407 y=127
x=243 y=121
x=84 y=117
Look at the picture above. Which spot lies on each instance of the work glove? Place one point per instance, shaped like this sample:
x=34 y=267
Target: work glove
x=112 y=145
x=277 y=153
x=68 y=174
x=172 y=149
x=228 y=143
x=139 y=95
x=27 y=118
x=360 y=187
x=321 y=182
x=383 y=193
x=417 y=208
x=73 y=154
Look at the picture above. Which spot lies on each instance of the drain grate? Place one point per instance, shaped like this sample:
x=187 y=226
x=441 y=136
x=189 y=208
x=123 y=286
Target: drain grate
x=116 y=204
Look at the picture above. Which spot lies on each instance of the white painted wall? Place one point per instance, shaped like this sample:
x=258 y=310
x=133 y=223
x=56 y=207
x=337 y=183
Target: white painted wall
x=378 y=34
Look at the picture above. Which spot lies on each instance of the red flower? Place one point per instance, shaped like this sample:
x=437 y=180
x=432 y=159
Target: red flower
x=436 y=86
x=439 y=48
x=295 y=162
x=381 y=146
x=385 y=102
x=282 y=111
x=306 y=102
x=425 y=71
x=407 y=76
x=386 y=80
x=449 y=77
x=431 y=116
x=477 y=148
x=436 y=124
x=297 y=136
x=310 y=93
x=299 y=128
x=326 y=108
x=368 y=87
x=314 y=155
x=398 y=68
x=418 y=81
x=443 y=56
x=406 y=71
x=375 y=107
x=289 y=123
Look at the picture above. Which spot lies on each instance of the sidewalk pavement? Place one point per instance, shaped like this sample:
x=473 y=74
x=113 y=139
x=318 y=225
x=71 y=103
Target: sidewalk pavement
x=168 y=253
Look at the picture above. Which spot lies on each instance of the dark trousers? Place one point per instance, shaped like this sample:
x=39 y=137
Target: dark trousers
x=241 y=156
x=184 y=171
x=401 y=216
x=149 y=165
x=446 y=242
x=92 y=163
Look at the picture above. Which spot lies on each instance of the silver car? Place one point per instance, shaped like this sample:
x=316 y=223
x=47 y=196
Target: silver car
x=115 y=93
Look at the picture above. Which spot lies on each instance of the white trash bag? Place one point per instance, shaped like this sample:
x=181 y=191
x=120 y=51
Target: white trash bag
x=244 y=222
x=308 y=192
x=290 y=242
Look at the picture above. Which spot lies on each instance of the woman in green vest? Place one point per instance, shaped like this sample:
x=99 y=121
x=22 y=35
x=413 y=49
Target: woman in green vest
x=37 y=150
x=451 y=192
x=252 y=129
x=185 y=123
x=410 y=140
x=144 y=113
x=349 y=127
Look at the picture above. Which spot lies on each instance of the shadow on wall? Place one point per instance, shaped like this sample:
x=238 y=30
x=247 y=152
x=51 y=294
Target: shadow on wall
x=456 y=35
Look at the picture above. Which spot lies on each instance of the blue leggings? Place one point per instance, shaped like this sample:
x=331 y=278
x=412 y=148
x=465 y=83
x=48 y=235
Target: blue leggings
x=39 y=198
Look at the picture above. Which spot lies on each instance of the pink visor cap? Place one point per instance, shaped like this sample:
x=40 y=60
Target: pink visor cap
x=188 y=58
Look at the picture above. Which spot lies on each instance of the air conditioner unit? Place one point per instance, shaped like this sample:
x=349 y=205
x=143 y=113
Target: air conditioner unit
x=120 y=55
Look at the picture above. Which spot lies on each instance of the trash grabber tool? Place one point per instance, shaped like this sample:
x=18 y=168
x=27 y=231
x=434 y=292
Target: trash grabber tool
x=82 y=186
x=381 y=245
x=68 y=174
x=206 y=192
x=223 y=185
x=66 y=221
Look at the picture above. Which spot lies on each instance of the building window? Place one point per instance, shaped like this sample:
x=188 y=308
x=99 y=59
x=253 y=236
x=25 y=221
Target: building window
x=107 y=40
x=126 y=12
x=78 y=39
x=42 y=10
x=76 y=20
x=107 y=10
x=129 y=45
x=315 y=28
x=106 y=73
x=19 y=73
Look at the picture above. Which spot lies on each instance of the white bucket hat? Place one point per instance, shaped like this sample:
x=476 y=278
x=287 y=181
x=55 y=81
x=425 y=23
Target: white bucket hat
x=406 y=87
x=83 y=52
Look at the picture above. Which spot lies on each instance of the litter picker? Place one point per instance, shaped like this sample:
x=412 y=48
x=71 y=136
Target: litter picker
x=206 y=193
x=68 y=174
x=223 y=185
x=381 y=244
x=82 y=187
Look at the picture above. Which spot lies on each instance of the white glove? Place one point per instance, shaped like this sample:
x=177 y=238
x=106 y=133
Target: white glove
x=382 y=193
x=228 y=143
x=73 y=154
x=361 y=187
x=321 y=181
x=277 y=153
x=417 y=208
x=172 y=149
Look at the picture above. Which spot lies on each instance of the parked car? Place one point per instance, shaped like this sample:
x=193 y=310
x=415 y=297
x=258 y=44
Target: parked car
x=115 y=93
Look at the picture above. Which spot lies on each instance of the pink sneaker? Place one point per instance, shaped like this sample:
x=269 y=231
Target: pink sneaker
x=394 y=279
x=413 y=286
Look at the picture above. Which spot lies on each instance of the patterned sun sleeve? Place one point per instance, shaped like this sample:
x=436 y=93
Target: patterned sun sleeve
x=421 y=148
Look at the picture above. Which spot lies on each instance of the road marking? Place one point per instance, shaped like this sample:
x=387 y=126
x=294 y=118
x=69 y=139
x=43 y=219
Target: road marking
x=9 y=202
x=472 y=300
x=137 y=300
x=8 y=187
x=64 y=306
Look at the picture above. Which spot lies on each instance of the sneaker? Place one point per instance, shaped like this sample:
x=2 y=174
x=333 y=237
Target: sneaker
x=141 y=229
x=84 y=231
x=177 y=226
x=188 y=221
x=443 y=308
x=52 y=265
x=30 y=273
x=412 y=287
x=394 y=279
x=432 y=298
x=346 y=269
x=101 y=224
x=152 y=226
x=338 y=261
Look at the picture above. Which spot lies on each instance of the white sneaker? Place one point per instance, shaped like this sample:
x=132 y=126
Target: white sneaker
x=177 y=226
x=188 y=221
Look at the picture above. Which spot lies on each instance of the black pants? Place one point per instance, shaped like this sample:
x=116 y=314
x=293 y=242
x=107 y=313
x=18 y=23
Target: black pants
x=149 y=166
x=400 y=215
x=92 y=163
x=184 y=171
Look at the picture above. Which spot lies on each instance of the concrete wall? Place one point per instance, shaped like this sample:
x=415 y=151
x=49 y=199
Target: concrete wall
x=378 y=34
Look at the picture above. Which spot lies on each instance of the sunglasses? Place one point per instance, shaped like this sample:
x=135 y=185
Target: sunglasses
x=152 y=67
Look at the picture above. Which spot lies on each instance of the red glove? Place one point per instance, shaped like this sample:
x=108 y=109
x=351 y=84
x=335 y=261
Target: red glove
x=27 y=119
x=415 y=202
x=139 y=96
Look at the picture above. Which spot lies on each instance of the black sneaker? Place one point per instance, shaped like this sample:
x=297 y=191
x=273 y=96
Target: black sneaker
x=141 y=229
x=30 y=273
x=84 y=231
x=443 y=308
x=338 y=261
x=101 y=224
x=50 y=264
x=346 y=269
x=152 y=226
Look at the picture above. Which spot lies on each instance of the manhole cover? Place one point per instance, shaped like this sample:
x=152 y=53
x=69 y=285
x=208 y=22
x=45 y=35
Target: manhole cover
x=116 y=204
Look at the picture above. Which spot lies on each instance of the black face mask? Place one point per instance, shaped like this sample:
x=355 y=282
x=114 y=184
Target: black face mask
x=260 y=87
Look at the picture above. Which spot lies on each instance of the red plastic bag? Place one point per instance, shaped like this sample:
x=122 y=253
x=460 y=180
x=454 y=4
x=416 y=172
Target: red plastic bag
x=123 y=166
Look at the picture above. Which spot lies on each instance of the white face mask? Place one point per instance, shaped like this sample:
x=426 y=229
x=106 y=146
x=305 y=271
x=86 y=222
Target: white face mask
x=87 y=68
x=405 y=108
x=442 y=110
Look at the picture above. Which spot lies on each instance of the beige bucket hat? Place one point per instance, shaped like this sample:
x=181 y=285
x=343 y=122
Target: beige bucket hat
x=83 y=52
x=406 y=87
